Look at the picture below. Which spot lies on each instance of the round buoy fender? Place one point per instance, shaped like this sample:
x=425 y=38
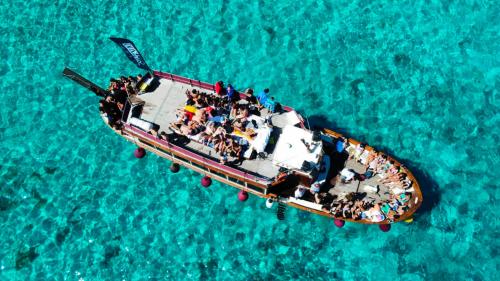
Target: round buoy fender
x=242 y=195
x=339 y=223
x=206 y=181
x=269 y=203
x=174 y=168
x=384 y=227
x=139 y=152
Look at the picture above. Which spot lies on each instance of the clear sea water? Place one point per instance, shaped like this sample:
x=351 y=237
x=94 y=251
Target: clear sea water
x=418 y=79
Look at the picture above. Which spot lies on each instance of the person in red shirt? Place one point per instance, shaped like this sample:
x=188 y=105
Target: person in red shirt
x=219 y=88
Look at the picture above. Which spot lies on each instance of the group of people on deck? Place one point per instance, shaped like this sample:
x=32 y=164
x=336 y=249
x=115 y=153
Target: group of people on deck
x=221 y=120
x=111 y=106
x=358 y=206
x=377 y=163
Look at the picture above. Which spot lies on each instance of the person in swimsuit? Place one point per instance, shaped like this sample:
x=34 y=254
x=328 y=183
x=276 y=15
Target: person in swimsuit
x=200 y=116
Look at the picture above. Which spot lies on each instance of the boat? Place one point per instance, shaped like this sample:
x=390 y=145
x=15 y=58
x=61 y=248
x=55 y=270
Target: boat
x=278 y=156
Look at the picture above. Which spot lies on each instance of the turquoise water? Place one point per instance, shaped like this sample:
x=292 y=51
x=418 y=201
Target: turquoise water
x=418 y=79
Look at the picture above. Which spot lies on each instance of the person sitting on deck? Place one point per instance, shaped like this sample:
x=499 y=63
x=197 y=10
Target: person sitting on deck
x=185 y=129
x=241 y=117
x=392 y=174
x=341 y=144
x=234 y=149
x=247 y=134
x=210 y=111
x=262 y=96
x=205 y=139
x=120 y=89
x=375 y=213
x=222 y=147
x=163 y=136
x=271 y=105
x=189 y=94
x=110 y=110
x=315 y=191
x=358 y=151
x=390 y=213
x=183 y=117
x=129 y=90
x=320 y=198
x=153 y=132
x=250 y=97
x=299 y=192
x=324 y=198
x=373 y=155
x=132 y=82
x=195 y=97
x=229 y=145
x=346 y=209
x=400 y=185
x=404 y=198
x=113 y=85
x=220 y=131
x=397 y=205
x=102 y=108
x=220 y=143
x=264 y=101
x=191 y=129
x=384 y=164
x=200 y=116
x=219 y=88
x=243 y=113
x=234 y=110
x=357 y=209
x=199 y=100
x=370 y=171
x=190 y=101
x=203 y=101
x=373 y=165
x=347 y=175
x=123 y=83
x=209 y=140
x=210 y=128
x=397 y=179
x=404 y=183
x=232 y=94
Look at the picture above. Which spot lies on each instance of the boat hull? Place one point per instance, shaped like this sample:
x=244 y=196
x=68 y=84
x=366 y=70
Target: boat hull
x=234 y=177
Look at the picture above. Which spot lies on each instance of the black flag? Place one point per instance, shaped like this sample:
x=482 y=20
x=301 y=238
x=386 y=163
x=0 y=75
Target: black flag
x=132 y=53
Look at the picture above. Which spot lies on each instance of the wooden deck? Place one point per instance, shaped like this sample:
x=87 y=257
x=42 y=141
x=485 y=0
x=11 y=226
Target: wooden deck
x=162 y=105
x=367 y=186
x=383 y=194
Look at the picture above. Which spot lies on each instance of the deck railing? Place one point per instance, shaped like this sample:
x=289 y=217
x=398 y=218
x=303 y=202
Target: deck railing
x=191 y=155
x=185 y=80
